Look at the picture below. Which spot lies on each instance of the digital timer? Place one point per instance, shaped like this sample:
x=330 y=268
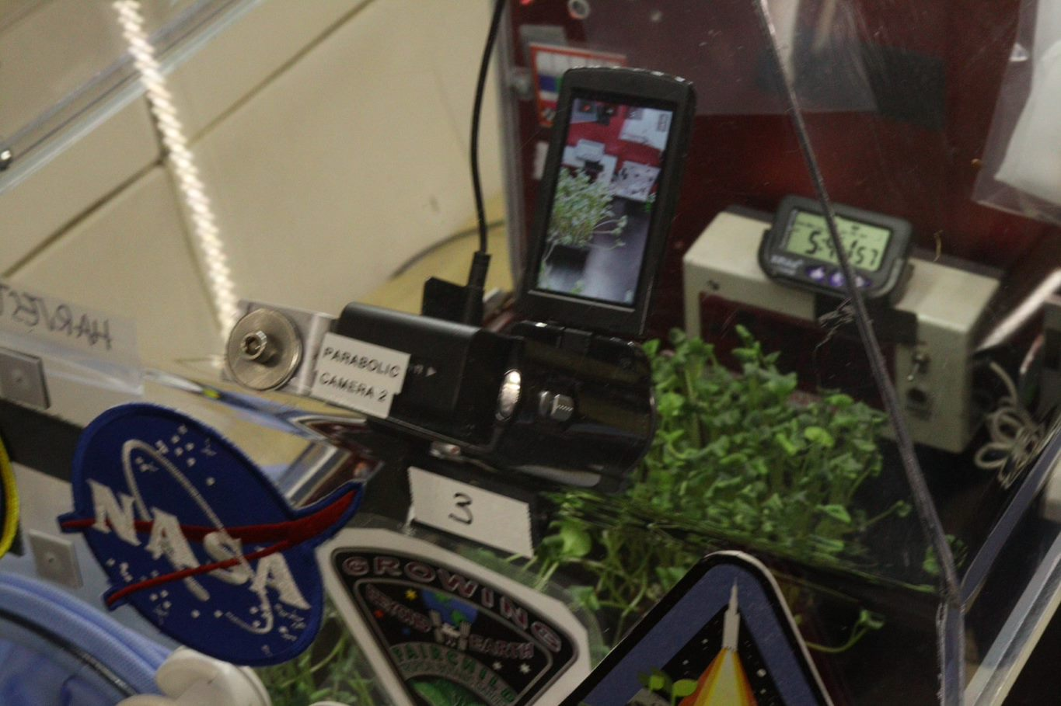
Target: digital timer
x=798 y=249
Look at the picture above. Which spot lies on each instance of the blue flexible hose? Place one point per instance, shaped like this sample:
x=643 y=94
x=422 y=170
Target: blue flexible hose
x=128 y=655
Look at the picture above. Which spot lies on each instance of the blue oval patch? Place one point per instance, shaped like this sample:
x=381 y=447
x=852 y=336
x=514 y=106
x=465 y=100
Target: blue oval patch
x=196 y=538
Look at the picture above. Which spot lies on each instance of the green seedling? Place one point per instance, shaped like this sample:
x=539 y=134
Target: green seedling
x=735 y=459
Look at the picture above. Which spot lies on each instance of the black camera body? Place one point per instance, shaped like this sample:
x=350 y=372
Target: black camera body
x=560 y=404
x=561 y=396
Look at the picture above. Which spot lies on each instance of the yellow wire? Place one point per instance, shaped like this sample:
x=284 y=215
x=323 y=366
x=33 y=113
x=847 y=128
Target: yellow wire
x=9 y=510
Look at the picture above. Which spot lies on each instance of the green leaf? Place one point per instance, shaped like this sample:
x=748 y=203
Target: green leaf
x=734 y=459
x=575 y=541
x=671 y=436
x=818 y=435
x=670 y=404
x=585 y=596
x=749 y=356
x=873 y=621
x=828 y=544
x=840 y=401
x=669 y=575
x=697 y=348
x=683 y=688
x=930 y=565
x=864 y=445
x=786 y=444
x=782 y=386
x=837 y=512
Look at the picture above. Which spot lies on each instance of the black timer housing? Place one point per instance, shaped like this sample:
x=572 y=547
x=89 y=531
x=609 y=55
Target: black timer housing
x=797 y=250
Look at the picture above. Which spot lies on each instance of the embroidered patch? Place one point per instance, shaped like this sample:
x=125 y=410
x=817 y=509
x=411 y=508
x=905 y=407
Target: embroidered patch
x=193 y=535
x=8 y=503
x=440 y=629
x=723 y=635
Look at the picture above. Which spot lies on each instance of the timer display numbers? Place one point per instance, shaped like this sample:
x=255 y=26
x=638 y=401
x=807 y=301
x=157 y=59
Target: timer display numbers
x=808 y=235
x=797 y=250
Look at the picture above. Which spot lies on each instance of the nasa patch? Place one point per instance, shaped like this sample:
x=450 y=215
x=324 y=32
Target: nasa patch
x=8 y=503
x=195 y=537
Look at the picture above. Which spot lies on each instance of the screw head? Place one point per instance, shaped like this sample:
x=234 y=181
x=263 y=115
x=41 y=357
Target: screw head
x=6 y=158
x=578 y=9
x=254 y=346
x=264 y=350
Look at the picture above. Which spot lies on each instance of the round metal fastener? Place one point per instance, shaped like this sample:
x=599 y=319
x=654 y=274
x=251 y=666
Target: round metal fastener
x=578 y=9
x=264 y=350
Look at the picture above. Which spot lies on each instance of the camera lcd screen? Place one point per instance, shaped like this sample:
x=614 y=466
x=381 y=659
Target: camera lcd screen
x=602 y=207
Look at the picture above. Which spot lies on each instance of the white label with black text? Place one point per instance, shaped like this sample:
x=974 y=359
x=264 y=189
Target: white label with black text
x=359 y=375
x=474 y=513
x=51 y=320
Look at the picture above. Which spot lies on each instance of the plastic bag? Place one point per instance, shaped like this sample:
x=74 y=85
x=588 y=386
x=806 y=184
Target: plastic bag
x=1022 y=161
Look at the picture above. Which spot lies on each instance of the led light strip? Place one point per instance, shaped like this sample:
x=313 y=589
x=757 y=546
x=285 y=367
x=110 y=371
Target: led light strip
x=182 y=162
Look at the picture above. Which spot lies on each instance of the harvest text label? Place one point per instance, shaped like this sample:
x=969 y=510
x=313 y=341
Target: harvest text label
x=25 y=312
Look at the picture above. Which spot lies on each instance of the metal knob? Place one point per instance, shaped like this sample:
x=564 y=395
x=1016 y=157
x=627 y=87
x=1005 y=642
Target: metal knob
x=264 y=350
x=256 y=346
x=555 y=406
x=919 y=365
x=508 y=397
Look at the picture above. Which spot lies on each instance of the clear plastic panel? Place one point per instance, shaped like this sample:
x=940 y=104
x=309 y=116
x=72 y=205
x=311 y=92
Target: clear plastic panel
x=773 y=433
x=64 y=65
x=951 y=149
x=772 y=436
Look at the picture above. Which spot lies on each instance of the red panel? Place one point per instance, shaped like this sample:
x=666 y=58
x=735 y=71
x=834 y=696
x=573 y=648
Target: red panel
x=895 y=166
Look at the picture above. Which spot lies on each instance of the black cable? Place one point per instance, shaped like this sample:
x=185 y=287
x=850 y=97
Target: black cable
x=472 y=307
x=452 y=237
x=477 y=109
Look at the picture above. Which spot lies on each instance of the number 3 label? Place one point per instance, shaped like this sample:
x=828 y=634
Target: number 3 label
x=464 y=505
x=471 y=512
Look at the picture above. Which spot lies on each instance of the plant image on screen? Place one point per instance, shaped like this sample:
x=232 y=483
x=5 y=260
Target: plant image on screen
x=601 y=211
x=582 y=218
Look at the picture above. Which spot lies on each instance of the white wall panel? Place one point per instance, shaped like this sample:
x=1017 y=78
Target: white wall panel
x=246 y=54
x=335 y=148
x=354 y=158
x=131 y=258
x=64 y=188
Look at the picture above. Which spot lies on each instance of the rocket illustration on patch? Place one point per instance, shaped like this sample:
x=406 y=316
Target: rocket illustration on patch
x=722 y=637
x=725 y=681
